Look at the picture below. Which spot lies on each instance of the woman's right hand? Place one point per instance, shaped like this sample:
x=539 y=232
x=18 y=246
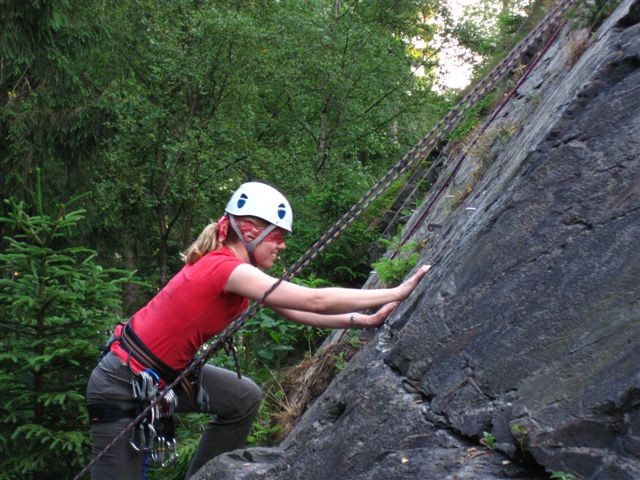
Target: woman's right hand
x=405 y=288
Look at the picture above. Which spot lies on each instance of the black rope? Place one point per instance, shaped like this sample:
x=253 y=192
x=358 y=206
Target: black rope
x=416 y=154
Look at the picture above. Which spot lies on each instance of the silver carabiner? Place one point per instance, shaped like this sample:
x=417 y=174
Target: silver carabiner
x=135 y=389
x=172 y=452
x=151 y=438
x=158 y=450
x=169 y=403
x=141 y=438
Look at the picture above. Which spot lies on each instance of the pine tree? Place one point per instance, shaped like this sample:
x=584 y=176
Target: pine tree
x=56 y=305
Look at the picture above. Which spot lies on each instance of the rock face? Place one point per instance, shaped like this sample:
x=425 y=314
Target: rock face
x=528 y=326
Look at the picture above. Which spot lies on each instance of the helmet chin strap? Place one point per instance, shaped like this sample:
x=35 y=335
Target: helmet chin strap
x=250 y=246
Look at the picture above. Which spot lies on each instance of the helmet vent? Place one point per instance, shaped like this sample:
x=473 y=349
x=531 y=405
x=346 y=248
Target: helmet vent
x=242 y=200
x=282 y=211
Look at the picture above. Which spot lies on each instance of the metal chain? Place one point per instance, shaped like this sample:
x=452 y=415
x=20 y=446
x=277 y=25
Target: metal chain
x=416 y=154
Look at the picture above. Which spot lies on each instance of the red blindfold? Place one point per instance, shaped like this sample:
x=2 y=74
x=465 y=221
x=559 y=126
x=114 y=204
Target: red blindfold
x=248 y=229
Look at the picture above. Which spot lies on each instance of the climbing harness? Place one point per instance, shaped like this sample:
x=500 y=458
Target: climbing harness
x=131 y=343
x=107 y=412
x=154 y=434
x=415 y=155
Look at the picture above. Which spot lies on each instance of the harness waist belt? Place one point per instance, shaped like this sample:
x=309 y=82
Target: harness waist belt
x=132 y=344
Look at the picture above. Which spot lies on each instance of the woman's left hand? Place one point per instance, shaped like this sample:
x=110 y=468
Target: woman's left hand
x=377 y=319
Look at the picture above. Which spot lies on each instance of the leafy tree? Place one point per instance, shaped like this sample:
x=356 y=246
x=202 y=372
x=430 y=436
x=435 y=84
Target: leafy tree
x=352 y=107
x=57 y=305
x=490 y=28
x=181 y=106
x=344 y=73
x=50 y=103
x=214 y=94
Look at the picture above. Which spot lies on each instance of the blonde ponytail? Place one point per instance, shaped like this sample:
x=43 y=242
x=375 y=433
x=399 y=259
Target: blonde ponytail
x=205 y=243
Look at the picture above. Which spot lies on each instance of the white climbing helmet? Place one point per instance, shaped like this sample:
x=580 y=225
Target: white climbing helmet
x=260 y=200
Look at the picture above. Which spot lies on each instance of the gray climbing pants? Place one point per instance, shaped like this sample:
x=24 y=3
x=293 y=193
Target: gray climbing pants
x=233 y=402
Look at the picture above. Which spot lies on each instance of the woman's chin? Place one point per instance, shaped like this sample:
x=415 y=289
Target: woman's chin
x=267 y=264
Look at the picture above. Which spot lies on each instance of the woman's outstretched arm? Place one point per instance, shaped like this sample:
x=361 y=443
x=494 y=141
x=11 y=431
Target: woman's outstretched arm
x=340 y=320
x=251 y=282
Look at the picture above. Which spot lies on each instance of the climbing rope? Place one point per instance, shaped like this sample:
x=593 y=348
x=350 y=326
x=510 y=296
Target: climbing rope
x=416 y=154
x=437 y=133
x=460 y=158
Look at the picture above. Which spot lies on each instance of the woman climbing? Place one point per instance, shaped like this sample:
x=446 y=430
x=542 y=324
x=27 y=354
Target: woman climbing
x=223 y=269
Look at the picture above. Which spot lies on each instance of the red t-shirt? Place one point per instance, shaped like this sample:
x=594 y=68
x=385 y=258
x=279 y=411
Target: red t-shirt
x=188 y=311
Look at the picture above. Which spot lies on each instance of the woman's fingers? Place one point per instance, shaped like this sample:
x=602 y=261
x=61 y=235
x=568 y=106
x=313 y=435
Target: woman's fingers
x=386 y=310
x=422 y=271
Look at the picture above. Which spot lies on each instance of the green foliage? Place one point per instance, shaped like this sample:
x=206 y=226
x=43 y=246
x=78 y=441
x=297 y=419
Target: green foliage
x=392 y=270
x=263 y=430
x=488 y=440
x=560 y=475
x=346 y=260
x=591 y=14
x=57 y=304
x=474 y=117
x=340 y=360
x=487 y=25
x=354 y=338
x=163 y=108
x=268 y=338
x=490 y=29
x=268 y=341
x=49 y=102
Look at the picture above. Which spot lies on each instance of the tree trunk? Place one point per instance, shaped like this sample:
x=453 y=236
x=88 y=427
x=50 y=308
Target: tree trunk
x=163 y=247
x=130 y=291
x=38 y=376
x=324 y=135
